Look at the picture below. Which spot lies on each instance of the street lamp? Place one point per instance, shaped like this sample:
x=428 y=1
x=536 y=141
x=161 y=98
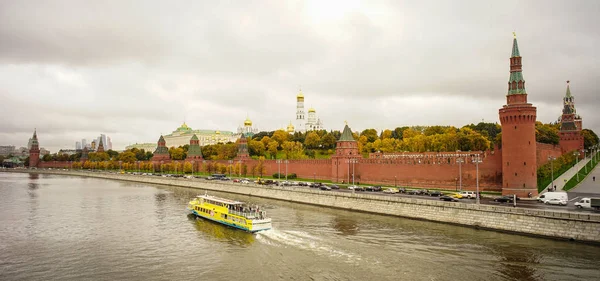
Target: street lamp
x=353 y=161
x=551 y=159
x=585 y=158
x=477 y=159
x=278 y=168
x=286 y=170
x=576 y=154
x=460 y=161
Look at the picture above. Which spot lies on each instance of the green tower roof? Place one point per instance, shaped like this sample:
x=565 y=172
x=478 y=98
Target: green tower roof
x=568 y=95
x=161 y=139
x=347 y=134
x=515 y=48
x=194 y=137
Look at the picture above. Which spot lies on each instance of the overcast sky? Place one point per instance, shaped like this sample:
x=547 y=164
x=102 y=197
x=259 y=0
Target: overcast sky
x=136 y=69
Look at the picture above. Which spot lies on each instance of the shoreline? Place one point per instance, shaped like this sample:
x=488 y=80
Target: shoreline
x=561 y=225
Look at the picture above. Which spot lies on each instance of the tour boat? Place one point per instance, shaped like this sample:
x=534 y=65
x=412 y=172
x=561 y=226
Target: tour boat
x=228 y=212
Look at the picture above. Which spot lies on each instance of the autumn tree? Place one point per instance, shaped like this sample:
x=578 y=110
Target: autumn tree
x=256 y=148
x=272 y=148
x=280 y=136
x=312 y=140
x=589 y=138
x=260 y=166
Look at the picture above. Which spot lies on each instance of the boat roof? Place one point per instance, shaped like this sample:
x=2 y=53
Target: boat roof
x=220 y=200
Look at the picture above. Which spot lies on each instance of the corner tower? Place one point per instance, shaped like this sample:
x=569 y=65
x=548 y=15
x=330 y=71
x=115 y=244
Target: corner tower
x=519 y=167
x=242 y=152
x=162 y=151
x=343 y=162
x=194 y=150
x=570 y=125
x=34 y=151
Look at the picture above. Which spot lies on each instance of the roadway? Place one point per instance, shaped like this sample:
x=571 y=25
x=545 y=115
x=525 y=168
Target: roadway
x=587 y=188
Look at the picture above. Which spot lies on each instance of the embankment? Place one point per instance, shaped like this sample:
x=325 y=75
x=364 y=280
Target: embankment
x=555 y=224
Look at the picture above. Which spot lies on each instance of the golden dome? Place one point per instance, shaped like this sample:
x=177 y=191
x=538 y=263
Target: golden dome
x=300 y=96
x=311 y=110
x=248 y=122
x=290 y=128
x=218 y=132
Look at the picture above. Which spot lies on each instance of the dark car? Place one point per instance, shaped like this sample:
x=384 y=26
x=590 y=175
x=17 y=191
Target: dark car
x=435 y=193
x=448 y=198
x=377 y=188
x=324 y=187
x=503 y=199
x=511 y=196
x=333 y=186
x=413 y=192
x=359 y=188
x=368 y=188
x=402 y=190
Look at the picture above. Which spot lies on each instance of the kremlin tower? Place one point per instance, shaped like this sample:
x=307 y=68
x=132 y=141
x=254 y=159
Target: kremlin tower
x=34 y=151
x=519 y=169
x=570 y=125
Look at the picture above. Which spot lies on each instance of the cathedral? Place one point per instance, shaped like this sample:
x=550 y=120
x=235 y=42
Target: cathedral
x=304 y=124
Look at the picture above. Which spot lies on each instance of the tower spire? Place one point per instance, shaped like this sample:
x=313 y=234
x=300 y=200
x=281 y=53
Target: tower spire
x=516 y=82
x=568 y=95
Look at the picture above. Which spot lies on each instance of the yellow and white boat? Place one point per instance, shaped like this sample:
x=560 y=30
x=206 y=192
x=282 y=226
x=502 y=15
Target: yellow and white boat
x=228 y=212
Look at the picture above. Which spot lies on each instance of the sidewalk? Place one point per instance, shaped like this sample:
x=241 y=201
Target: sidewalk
x=566 y=176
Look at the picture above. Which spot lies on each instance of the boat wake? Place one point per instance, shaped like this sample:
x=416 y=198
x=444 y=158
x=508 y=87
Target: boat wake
x=304 y=241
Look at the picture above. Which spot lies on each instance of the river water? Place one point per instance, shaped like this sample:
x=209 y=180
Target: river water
x=72 y=228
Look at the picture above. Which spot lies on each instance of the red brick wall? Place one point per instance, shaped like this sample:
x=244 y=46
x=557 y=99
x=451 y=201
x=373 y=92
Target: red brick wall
x=54 y=164
x=571 y=140
x=543 y=150
x=430 y=174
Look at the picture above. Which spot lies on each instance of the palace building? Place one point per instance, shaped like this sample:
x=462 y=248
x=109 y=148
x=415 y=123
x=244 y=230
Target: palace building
x=182 y=135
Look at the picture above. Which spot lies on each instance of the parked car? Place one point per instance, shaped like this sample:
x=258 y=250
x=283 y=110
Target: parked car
x=377 y=188
x=556 y=201
x=456 y=195
x=468 y=194
x=503 y=199
x=402 y=190
x=324 y=187
x=390 y=190
x=236 y=180
x=368 y=188
x=552 y=195
x=333 y=186
x=352 y=187
x=245 y=181
x=448 y=198
x=435 y=193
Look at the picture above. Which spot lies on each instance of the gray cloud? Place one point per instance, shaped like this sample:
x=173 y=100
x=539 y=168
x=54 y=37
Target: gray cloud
x=135 y=69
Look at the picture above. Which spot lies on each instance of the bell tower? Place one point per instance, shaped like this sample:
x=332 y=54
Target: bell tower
x=570 y=125
x=519 y=167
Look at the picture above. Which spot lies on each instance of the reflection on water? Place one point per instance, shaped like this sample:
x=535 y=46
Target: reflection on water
x=222 y=233
x=34 y=176
x=517 y=263
x=345 y=225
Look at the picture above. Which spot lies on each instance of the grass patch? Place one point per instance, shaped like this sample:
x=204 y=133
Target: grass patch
x=573 y=182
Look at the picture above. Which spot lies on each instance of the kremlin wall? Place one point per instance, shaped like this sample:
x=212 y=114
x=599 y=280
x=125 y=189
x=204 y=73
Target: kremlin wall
x=510 y=169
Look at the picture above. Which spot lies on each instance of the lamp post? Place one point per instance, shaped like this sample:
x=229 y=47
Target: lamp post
x=576 y=154
x=286 y=171
x=460 y=161
x=351 y=161
x=585 y=158
x=278 y=168
x=551 y=159
x=230 y=163
x=455 y=184
x=477 y=160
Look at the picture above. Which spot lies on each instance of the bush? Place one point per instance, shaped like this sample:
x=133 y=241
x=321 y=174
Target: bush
x=289 y=176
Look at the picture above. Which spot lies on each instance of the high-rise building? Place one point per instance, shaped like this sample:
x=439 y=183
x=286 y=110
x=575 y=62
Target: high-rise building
x=108 y=143
x=83 y=143
x=6 y=150
x=78 y=145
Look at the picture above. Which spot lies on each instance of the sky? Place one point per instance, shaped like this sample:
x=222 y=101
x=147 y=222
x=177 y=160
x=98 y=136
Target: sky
x=134 y=70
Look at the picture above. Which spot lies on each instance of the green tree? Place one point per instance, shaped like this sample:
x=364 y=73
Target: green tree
x=260 y=166
x=176 y=153
x=127 y=157
x=328 y=141
x=256 y=148
x=272 y=148
x=589 y=138
x=546 y=133
x=280 y=136
x=312 y=140
x=371 y=134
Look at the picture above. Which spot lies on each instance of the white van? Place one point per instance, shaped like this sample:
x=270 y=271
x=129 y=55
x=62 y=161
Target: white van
x=468 y=194
x=551 y=195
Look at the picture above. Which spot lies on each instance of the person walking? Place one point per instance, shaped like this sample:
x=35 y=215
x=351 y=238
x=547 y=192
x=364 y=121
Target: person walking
x=594 y=178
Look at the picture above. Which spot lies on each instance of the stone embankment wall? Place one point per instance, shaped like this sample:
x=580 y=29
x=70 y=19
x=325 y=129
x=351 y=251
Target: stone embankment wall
x=556 y=224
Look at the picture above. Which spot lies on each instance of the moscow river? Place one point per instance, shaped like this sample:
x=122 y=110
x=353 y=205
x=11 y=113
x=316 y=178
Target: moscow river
x=72 y=228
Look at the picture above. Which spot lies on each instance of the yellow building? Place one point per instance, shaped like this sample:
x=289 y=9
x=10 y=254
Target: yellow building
x=182 y=135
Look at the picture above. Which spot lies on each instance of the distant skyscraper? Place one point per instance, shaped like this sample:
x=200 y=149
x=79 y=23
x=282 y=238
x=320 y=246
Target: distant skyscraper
x=78 y=145
x=83 y=143
x=108 y=143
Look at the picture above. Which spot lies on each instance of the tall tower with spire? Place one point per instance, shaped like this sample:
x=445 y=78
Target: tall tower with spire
x=300 y=117
x=570 y=137
x=100 y=146
x=519 y=168
x=242 y=153
x=34 y=151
